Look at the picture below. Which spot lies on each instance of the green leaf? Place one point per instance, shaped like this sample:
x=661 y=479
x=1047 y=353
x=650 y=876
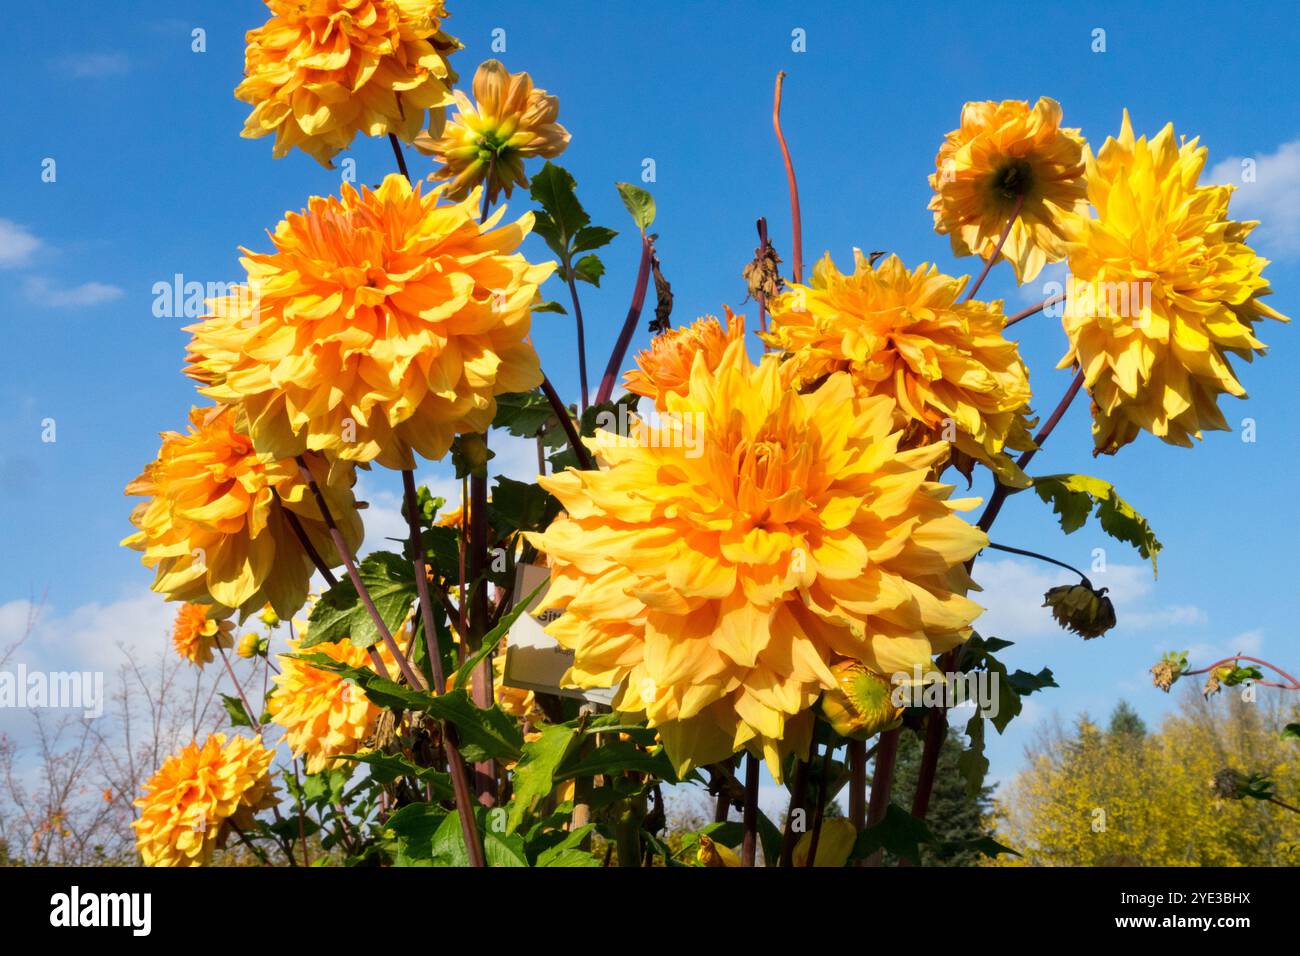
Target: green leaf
x=340 y=615
x=519 y=506
x=492 y=639
x=524 y=414
x=618 y=756
x=485 y=734
x=589 y=269
x=1025 y=683
x=1074 y=497
x=448 y=845
x=639 y=203
x=569 y=851
x=592 y=237
x=898 y=833
x=385 y=768
x=504 y=849
x=534 y=775
x=414 y=827
x=1291 y=732
x=562 y=215
x=972 y=764
x=235 y=708
x=551 y=306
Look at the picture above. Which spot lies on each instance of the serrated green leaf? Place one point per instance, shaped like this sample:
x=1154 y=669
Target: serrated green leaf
x=236 y=711
x=972 y=764
x=340 y=614
x=1073 y=498
x=618 y=756
x=589 y=269
x=639 y=203
x=562 y=215
x=534 y=775
x=592 y=237
x=551 y=306
x=898 y=833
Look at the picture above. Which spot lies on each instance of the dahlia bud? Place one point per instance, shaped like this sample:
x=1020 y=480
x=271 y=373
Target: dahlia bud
x=1081 y=608
x=248 y=646
x=269 y=617
x=711 y=853
x=1214 y=681
x=834 y=844
x=861 y=706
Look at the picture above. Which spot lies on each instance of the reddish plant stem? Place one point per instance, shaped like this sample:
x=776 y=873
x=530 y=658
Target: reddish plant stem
x=566 y=422
x=822 y=785
x=749 y=845
x=582 y=339
x=796 y=220
x=997 y=250
x=798 y=801
x=1294 y=684
x=401 y=157
x=455 y=764
x=629 y=324
x=762 y=299
x=1001 y=491
x=937 y=721
x=485 y=776
x=362 y=591
x=301 y=534
x=858 y=783
x=1034 y=309
x=248 y=708
x=882 y=779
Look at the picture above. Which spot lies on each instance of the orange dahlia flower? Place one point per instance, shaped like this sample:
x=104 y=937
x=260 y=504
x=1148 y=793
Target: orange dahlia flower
x=190 y=805
x=322 y=714
x=953 y=374
x=513 y=122
x=216 y=526
x=321 y=71
x=384 y=324
x=1000 y=153
x=196 y=633
x=714 y=585
x=1162 y=289
x=665 y=367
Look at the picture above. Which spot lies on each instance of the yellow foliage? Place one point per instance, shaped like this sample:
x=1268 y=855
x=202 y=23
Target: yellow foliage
x=1096 y=798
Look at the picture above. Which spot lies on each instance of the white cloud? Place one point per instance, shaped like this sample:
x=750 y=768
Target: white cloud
x=84 y=66
x=17 y=245
x=1247 y=642
x=1013 y=589
x=39 y=291
x=1273 y=197
x=91 y=637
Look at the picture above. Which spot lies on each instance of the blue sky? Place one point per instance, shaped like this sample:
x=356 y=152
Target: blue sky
x=153 y=180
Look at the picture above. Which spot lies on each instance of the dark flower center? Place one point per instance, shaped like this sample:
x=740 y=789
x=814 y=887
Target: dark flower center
x=1013 y=179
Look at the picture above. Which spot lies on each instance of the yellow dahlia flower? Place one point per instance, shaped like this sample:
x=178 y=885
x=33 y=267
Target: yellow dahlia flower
x=665 y=367
x=215 y=527
x=713 y=585
x=197 y=795
x=384 y=324
x=513 y=122
x=1163 y=287
x=1003 y=151
x=946 y=363
x=196 y=633
x=321 y=71
x=322 y=714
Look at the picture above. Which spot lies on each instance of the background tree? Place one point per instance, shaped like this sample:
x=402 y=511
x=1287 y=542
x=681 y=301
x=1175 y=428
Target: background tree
x=1117 y=798
x=955 y=815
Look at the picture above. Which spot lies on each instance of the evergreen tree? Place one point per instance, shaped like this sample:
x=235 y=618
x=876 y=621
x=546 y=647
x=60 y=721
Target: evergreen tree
x=954 y=814
x=1124 y=720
